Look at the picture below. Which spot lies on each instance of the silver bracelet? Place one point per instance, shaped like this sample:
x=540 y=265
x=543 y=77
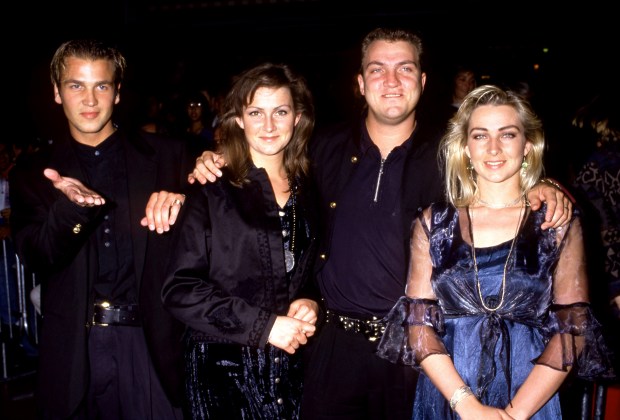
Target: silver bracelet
x=460 y=394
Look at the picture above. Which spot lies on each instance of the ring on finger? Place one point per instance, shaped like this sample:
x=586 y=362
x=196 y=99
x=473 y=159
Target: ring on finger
x=177 y=201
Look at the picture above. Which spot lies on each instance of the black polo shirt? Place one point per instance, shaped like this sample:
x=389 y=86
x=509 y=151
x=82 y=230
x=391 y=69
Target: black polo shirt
x=367 y=269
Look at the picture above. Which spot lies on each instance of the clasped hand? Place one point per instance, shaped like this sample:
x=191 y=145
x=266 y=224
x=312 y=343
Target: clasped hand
x=292 y=331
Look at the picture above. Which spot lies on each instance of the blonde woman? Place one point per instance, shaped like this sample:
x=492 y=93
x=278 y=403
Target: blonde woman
x=496 y=310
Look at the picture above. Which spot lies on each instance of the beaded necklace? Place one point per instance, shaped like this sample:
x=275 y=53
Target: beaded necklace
x=473 y=253
x=289 y=251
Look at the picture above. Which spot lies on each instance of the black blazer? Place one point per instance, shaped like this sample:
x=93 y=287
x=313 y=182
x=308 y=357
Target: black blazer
x=227 y=278
x=55 y=239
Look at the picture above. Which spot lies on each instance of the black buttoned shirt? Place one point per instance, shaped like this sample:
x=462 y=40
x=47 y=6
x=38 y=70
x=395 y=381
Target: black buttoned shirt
x=106 y=170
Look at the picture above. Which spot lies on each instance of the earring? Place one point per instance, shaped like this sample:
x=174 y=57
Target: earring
x=470 y=168
x=524 y=166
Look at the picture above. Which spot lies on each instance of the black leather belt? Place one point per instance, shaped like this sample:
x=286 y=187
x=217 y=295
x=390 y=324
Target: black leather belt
x=106 y=314
x=371 y=328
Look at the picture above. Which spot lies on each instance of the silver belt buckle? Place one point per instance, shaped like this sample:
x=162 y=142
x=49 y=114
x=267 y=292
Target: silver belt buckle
x=103 y=305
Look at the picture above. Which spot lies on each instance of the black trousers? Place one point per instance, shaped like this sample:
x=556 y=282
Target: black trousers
x=123 y=382
x=345 y=379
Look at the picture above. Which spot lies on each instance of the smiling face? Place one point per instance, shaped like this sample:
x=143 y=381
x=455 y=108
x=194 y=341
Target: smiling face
x=88 y=95
x=268 y=122
x=496 y=144
x=392 y=80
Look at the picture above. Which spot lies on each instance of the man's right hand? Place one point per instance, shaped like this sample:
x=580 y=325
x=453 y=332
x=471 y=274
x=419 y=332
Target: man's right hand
x=207 y=168
x=74 y=189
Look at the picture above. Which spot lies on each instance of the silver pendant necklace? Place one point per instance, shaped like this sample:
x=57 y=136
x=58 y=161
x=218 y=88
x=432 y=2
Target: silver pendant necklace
x=289 y=251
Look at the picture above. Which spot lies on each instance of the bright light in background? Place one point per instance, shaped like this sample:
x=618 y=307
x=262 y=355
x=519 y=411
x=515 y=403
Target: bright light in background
x=536 y=66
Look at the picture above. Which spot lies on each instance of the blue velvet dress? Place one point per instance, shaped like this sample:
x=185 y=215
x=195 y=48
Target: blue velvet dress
x=493 y=351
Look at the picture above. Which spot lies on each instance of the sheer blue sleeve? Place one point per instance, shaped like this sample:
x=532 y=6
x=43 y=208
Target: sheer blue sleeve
x=575 y=338
x=413 y=332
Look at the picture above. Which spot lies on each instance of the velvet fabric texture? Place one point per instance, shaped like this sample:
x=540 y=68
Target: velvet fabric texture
x=227 y=381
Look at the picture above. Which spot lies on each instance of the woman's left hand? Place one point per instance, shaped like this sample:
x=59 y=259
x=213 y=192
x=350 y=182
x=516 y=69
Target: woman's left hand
x=289 y=333
x=305 y=310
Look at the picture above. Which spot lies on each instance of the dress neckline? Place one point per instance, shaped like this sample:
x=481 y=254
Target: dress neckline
x=507 y=242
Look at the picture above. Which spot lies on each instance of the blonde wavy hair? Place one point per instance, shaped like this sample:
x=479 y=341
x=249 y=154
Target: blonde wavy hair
x=460 y=179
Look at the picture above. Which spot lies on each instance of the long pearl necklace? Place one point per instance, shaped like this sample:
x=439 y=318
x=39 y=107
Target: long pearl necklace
x=473 y=253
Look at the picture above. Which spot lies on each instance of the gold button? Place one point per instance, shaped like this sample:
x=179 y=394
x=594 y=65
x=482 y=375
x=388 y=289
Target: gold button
x=353 y=159
x=322 y=256
x=77 y=228
x=332 y=205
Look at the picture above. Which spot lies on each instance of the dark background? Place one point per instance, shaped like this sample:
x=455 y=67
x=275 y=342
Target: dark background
x=183 y=43
x=568 y=52
x=172 y=45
